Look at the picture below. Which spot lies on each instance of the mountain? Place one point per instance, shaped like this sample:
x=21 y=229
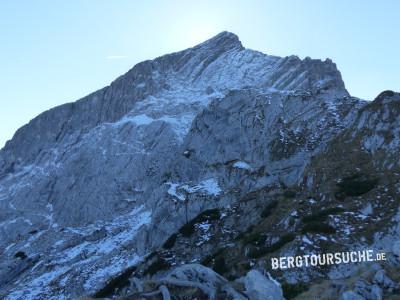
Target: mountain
x=199 y=166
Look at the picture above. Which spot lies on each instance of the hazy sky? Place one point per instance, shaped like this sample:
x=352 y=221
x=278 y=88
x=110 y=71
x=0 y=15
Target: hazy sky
x=52 y=52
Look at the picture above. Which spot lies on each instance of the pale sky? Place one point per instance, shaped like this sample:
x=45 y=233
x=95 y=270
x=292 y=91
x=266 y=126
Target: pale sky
x=53 y=52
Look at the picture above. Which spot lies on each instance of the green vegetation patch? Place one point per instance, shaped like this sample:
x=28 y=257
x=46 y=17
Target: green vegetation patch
x=207 y=260
x=318 y=227
x=262 y=251
x=242 y=234
x=287 y=238
x=118 y=281
x=220 y=265
x=289 y=193
x=254 y=238
x=266 y=212
x=290 y=291
x=217 y=261
x=170 y=242
x=158 y=265
x=322 y=215
x=21 y=255
x=355 y=185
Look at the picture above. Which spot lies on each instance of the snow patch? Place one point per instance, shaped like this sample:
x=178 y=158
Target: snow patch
x=39 y=288
x=142 y=120
x=242 y=165
x=115 y=267
x=173 y=191
x=208 y=186
x=306 y=240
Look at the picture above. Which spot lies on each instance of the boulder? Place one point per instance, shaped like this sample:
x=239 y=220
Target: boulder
x=258 y=287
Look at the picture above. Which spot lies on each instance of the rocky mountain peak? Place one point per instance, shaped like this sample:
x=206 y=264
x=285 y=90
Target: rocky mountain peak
x=224 y=40
x=180 y=146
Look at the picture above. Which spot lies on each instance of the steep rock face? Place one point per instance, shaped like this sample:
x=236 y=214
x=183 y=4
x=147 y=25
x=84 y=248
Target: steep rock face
x=347 y=200
x=89 y=187
x=220 y=63
x=368 y=172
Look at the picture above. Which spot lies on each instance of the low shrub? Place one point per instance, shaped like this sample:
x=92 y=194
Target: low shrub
x=118 y=281
x=254 y=238
x=321 y=216
x=266 y=212
x=258 y=252
x=151 y=255
x=318 y=227
x=287 y=238
x=167 y=176
x=289 y=194
x=207 y=260
x=220 y=265
x=158 y=265
x=208 y=215
x=170 y=242
x=355 y=185
x=21 y=255
x=262 y=251
x=187 y=230
x=244 y=233
x=290 y=291
x=340 y=195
